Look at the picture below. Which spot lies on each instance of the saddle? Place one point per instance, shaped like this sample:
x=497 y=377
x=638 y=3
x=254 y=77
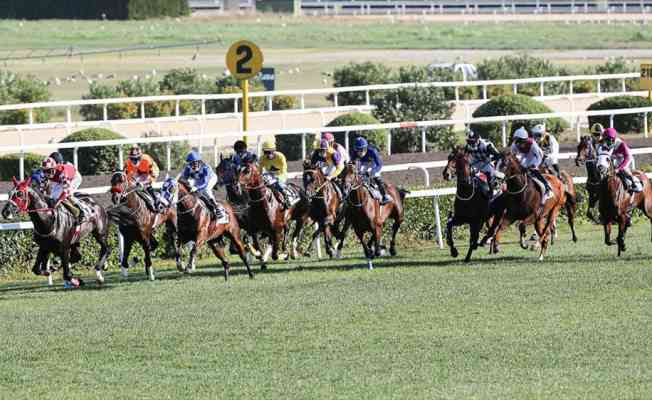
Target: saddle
x=149 y=200
x=373 y=190
x=629 y=183
x=221 y=216
x=539 y=185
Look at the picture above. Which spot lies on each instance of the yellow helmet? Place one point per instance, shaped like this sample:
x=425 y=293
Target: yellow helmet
x=269 y=145
x=597 y=129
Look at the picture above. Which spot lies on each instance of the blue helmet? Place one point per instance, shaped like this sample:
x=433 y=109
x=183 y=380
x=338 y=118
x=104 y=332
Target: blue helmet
x=193 y=156
x=360 y=143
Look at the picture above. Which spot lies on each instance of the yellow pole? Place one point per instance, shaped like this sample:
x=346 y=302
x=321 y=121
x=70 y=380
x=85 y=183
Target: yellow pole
x=245 y=107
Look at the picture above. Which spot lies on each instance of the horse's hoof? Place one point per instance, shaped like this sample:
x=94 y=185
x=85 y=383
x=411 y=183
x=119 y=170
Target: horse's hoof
x=370 y=265
x=392 y=251
x=541 y=257
x=454 y=252
x=609 y=242
x=263 y=267
x=124 y=272
x=574 y=239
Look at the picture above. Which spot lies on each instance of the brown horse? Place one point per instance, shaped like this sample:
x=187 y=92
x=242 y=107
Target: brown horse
x=196 y=227
x=56 y=230
x=614 y=201
x=366 y=215
x=470 y=206
x=521 y=201
x=325 y=205
x=587 y=154
x=137 y=223
x=267 y=215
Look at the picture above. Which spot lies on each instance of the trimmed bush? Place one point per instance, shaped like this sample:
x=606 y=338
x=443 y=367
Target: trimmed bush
x=615 y=66
x=158 y=151
x=377 y=137
x=16 y=89
x=354 y=74
x=416 y=104
x=94 y=160
x=10 y=165
x=627 y=123
x=513 y=105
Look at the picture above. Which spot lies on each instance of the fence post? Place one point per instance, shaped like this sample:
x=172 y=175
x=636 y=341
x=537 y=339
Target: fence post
x=515 y=88
x=335 y=104
x=269 y=103
x=121 y=162
x=168 y=156
x=541 y=89
x=389 y=142
x=346 y=141
x=21 y=165
x=423 y=140
x=235 y=105
x=68 y=115
x=599 y=86
x=303 y=146
x=623 y=85
x=577 y=129
x=176 y=109
x=435 y=202
x=645 y=127
x=203 y=107
x=105 y=112
x=611 y=121
x=303 y=101
x=484 y=92
x=457 y=93
x=31 y=116
x=367 y=97
x=142 y=110
x=75 y=157
x=570 y=88
x=504 y=132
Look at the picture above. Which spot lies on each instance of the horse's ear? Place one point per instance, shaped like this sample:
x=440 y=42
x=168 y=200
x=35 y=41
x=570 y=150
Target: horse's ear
x=221 y=157
x=14 y=181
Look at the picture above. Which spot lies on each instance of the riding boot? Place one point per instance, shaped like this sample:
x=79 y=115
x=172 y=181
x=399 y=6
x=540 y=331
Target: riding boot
x=548 y=194
x=383 y=192
x=75 y=210
x=213 y=208
x=555 y=167
x=154 y=196
x=286 y=199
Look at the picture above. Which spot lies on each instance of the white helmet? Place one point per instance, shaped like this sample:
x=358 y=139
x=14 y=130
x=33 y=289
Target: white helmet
x=521 y=133
x=538 y=130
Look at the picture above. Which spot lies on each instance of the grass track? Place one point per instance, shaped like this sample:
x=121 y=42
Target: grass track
x=419 y=326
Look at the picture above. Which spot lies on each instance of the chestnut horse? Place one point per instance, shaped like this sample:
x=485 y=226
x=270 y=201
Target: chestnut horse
x=325 y=206
x=267 y=215
x=470 y=206
x=137 y=223
x=366 y=214
x=521 y=201
x=196 y=227
x=56 y=230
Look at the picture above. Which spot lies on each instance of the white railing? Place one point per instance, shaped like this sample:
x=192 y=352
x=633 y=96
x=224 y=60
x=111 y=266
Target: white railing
x=301 y=95
x=419 y=126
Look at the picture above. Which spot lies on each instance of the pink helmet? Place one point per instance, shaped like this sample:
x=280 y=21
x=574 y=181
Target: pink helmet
x=610 y=133
x=328 y=136
x=323 y=144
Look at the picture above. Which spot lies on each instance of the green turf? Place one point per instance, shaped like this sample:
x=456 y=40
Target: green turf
x=277 y=32
x=418 y=326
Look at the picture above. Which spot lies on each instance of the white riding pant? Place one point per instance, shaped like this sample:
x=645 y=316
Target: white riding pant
x=60 y=188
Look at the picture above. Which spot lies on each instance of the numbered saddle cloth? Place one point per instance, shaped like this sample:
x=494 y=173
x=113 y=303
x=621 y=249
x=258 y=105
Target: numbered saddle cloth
x=86 y=202
x=373 y=190
x=222 y=215
x=149 y=200
x=293 y=193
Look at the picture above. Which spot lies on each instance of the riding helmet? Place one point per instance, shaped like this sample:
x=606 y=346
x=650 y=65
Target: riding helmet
x=328 y=136
x=521 y=134
x=597 y=129
x=269 y=145
x=538 y=130
x=610 y=133
x=240 y=146
x=193 y=156
x=471 y=137
x=323 y=144
x=56 y=156
x=360 y=143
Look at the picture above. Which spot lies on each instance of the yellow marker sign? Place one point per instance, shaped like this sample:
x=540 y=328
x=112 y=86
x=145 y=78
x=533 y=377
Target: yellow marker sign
x=244 y=59
x=646 y=76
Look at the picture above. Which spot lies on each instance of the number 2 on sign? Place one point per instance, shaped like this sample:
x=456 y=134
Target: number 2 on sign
x=246 y=54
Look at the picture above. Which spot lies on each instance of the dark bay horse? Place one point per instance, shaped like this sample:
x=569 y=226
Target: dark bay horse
x=521 y=201
x=267 y=215
x=196 y=227
x=56 y=231
x=587 y=154
x=366 y=215
x=137 y=222
x=471 y=206
x=326 y=206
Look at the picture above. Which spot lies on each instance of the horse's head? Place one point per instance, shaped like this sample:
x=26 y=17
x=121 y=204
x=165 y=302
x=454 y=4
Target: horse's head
x=458 y=164
x=313 y=178
x=585 y=150
x=119 y=186
x=19 y=198
x=226 y=171
x=350 y=176
x=249 y=176
x=509 y=165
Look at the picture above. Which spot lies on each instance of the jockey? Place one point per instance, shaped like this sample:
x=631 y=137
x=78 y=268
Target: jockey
x=621 y=155
x=328 y=159
x=531 y=157
x=370 y=164
x=337 y=147
x=39 y=179
x=241 y=155
x=143 y=169
x=202 y=179
x=275 y=170
x=550 y=148
x=66 y=180
x=597 y=130
x=483 y=153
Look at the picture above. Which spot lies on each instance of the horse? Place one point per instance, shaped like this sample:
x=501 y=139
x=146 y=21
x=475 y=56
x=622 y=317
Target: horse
x=470 y=206
x=587 y=154
x=137 y=222
x=366 y=215
x=56 y=230
x=326 y=206
x=268 y=216
x=196 y=227
x=614 y=201
x=521 y=201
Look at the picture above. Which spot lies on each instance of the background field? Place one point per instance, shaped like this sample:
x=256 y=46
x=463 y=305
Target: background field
x=419 y=326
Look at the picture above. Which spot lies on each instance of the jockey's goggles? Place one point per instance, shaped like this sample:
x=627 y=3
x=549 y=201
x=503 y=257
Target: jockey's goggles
x=48 y=172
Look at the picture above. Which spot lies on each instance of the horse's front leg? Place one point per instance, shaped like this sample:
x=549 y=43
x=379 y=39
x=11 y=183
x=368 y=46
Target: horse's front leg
x=593 y=199
x=450 y=224
x=219 y=253
x=191 y=258
x=607 y=234
x=69 y=282
x=149 y=271
x=367 y=251
x=173 y=236
x=622 y=230
x=328 y=239
x=473 y=240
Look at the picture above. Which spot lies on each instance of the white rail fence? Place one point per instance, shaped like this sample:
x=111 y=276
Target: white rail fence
x=367 y=90
x=434 y=193
x=414 y=127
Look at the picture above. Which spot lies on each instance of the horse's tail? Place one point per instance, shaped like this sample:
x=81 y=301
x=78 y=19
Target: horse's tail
x=403 y=192
x=571 y=195
x=122 y=215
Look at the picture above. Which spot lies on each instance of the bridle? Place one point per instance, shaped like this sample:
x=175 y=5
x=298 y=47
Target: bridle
x=515 y=176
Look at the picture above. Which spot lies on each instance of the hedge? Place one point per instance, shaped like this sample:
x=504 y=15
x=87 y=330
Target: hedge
x=378 y=137
x=513 y=104
x=93 y=160
x=158 y=151
x=15 y=89
x=9 y=165
x=626 y=123
x=92 y=9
